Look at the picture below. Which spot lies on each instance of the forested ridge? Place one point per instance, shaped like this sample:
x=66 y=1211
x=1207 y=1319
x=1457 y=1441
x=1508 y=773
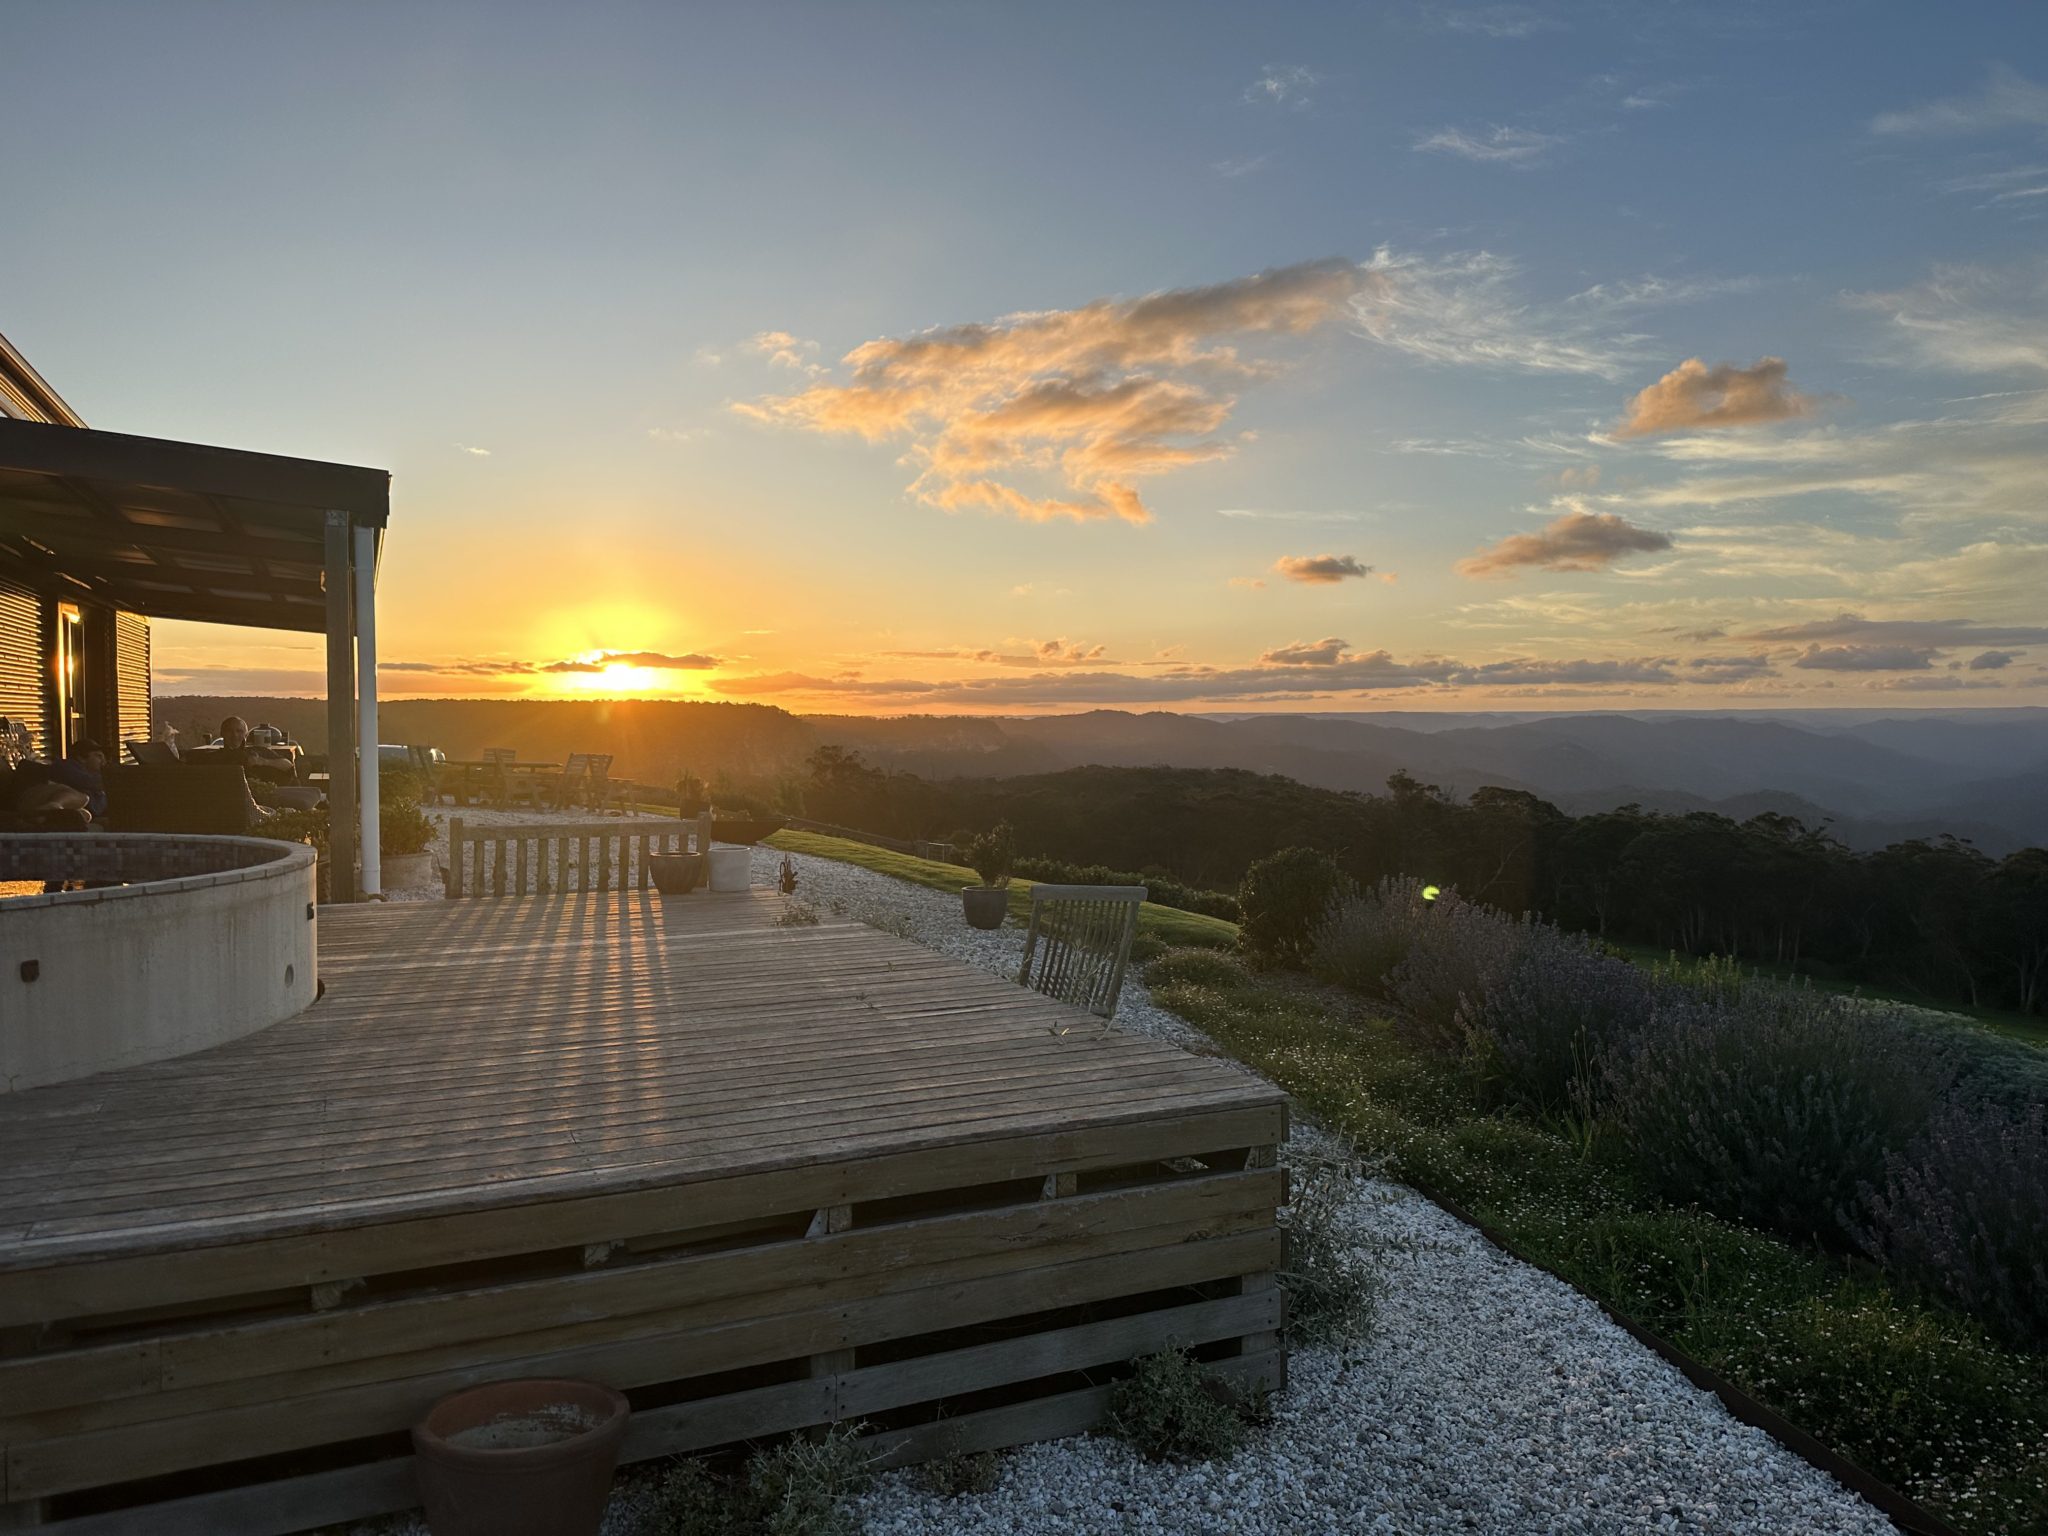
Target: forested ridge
x=1933 y=918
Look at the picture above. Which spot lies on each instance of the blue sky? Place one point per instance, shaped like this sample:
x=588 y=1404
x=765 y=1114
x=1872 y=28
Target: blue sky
x=1525 y=354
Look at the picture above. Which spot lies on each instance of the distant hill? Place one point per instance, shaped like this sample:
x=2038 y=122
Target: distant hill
x=1880 y=778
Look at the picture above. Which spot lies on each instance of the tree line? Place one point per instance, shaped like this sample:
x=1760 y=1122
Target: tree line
x=1937 y=919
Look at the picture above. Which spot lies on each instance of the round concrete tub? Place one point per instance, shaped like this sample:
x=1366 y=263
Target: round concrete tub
x=202 y=940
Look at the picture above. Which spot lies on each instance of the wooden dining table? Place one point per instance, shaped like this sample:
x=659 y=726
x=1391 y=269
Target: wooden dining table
x=491 y=779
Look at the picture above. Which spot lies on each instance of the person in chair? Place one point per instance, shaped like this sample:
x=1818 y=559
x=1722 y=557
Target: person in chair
x=262 y=765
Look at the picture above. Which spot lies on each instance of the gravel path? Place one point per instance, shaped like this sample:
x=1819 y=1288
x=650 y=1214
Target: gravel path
x=1491 y=1398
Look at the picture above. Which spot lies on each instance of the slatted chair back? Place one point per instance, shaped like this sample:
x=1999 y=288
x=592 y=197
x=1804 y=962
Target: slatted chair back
x=598 y=782
x=1079 y=942
x=499 y=756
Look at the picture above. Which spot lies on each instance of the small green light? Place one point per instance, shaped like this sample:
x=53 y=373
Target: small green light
x=1431 y=892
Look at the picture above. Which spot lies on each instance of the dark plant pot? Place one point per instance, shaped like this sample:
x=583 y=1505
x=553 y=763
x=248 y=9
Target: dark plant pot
x=985 y=905
x=690 y=810
x=745 y=831
x=519 y=1458
x=676 y=874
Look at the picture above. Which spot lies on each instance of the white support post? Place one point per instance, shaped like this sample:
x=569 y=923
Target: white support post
x=366 y=705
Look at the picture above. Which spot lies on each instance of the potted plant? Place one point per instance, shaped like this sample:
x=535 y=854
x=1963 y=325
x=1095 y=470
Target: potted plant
x=519 y=1458
x=406 y=837
x=690 y=796
x=991 y=854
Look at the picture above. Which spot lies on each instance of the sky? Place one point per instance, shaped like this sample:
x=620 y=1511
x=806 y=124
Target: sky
x=891 y=358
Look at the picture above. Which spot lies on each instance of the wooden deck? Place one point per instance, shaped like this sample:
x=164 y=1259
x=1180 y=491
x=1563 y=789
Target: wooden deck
x=758 y=1176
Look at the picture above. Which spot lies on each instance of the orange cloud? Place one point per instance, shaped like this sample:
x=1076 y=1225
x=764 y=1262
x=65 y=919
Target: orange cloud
x=1577 y=541
x=1320 y=570
x=1693 y=397
x=1094 y=398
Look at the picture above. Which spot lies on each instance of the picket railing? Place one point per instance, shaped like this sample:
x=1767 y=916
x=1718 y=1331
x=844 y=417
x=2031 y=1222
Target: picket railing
x=558 y=858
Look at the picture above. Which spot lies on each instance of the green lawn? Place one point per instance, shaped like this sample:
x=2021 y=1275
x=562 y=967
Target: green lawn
x=2015 y=1026
x=1169 y=925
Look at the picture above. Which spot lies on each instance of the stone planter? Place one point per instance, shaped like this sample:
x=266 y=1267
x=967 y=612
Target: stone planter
x=985 y=905
x=519 y=1458
x=404 y=871
x=732 y=869
x=676 y=874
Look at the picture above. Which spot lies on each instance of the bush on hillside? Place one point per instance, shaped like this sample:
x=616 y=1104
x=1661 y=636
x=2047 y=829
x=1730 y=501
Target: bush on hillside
x=1458 y=954
x=1963 y=1212
x=1161 y=890
x=1778 y=1107
x=1548 y=1033
x=1363 y=937
x=1282 y=899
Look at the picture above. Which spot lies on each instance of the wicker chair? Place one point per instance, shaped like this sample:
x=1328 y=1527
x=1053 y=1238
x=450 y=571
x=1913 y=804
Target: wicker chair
x=1079 y=942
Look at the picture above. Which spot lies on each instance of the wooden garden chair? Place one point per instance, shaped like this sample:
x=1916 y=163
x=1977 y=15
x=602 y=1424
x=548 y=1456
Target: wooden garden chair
x=597 y=782
x=1079 y=942
x=495 y=759
x=571 y=783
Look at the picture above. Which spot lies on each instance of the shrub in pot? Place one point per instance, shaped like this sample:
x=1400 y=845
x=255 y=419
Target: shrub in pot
x=991 y=854
x=406 y=837
x=690 y=796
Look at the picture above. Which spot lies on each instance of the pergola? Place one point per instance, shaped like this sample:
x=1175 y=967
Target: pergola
x=218 y=536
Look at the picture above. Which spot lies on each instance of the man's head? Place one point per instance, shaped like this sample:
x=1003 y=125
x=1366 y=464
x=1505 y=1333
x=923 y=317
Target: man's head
x=88 y=753
x=234 y=732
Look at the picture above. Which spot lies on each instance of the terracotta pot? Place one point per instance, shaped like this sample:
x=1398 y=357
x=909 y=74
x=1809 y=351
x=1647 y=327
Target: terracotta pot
x=985 y=905
x=519 y=1458
x=676 y=874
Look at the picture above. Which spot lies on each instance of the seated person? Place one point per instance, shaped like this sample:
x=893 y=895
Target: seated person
x=81 y=770
x=261 y=764
x=33 y=801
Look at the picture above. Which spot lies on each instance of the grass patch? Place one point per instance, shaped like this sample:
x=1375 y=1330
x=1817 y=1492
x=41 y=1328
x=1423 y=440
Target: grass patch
x=1165 y=925
x=1908 y=1389
x=2030 y=1028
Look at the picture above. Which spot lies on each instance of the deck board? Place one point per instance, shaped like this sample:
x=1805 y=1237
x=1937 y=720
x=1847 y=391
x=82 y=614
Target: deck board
x=475 y=1054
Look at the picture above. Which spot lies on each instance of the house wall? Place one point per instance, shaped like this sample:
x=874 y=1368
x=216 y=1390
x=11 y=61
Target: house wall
x=27 y=652
x=118 y=644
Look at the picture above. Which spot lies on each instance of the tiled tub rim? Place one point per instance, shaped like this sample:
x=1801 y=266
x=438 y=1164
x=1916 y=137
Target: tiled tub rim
x=266 y=858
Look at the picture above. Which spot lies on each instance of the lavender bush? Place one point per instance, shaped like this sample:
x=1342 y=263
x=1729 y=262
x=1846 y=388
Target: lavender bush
x=1363 y=937
x=1547 y=1034
x=1964 y=1212
x=1458 y=954
x=1776 y=1106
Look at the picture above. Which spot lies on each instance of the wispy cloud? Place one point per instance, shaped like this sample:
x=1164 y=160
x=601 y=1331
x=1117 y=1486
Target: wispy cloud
x=1576 y=541
x=1464 y=310
x=2007 y=99
x=1283 y=85
x=1937 y=634
x=1321 y=570
x=1496 y=146
x=1285 y=515
x=786 y=351
x=1498 y=21
x=1097 y=397
x=1693 y=397
x=1969 y=319
x=1866 y=658
x=474 y=451
x=1239 y=165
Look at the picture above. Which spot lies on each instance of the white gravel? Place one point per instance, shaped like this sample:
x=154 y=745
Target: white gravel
x=1490 y=1398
